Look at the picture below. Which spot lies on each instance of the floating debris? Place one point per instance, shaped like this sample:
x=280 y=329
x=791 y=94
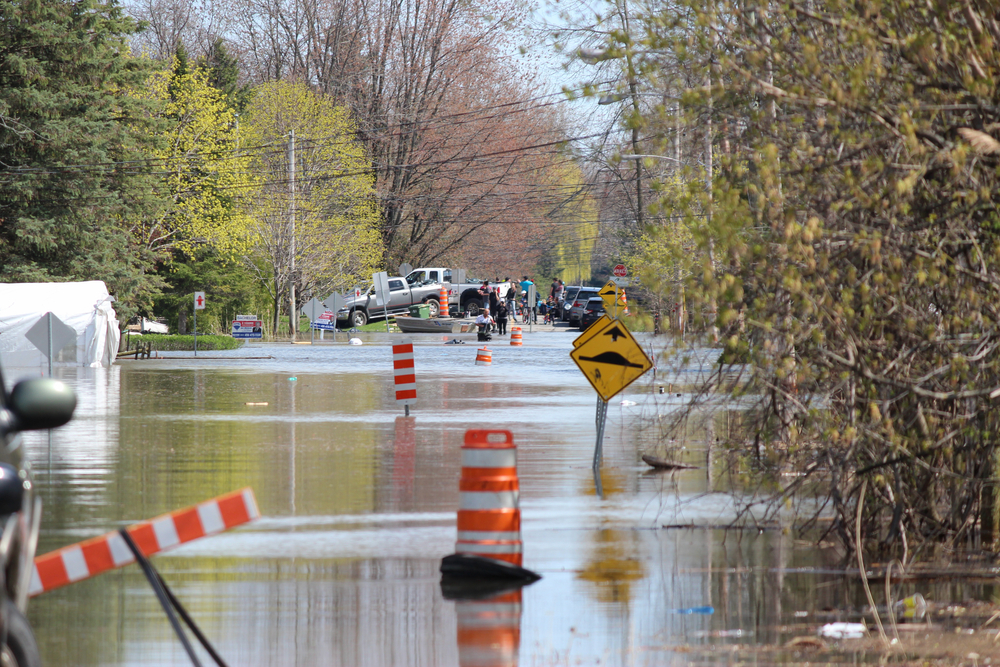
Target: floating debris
x=912 y=608
x=694 y=610
x=663 y=464
x=263 y=403
x=843 y=630
x=355 y=341
x=812 y=643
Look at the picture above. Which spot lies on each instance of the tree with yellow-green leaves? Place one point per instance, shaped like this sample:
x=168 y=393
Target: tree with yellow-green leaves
x=334 y=243
x=846 y=221
x=574 y=230
x=203 y=168
x=665 y=254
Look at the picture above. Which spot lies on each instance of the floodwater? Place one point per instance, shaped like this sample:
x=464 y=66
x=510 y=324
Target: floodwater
x=342 y=567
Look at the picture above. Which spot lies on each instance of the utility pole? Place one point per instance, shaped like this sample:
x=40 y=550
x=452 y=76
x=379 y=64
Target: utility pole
x=292 y=323
x=633 y=90
x=713 y=304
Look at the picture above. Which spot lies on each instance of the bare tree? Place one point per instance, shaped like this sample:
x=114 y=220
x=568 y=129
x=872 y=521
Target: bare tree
x=171 y=23
x=449 y=123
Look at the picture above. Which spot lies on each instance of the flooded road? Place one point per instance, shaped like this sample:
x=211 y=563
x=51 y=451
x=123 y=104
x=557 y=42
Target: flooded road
x=359 y=506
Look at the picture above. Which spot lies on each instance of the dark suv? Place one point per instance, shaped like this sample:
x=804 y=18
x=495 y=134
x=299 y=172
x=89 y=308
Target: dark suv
x=35 y=404
x=579 y=301
x=591 y=312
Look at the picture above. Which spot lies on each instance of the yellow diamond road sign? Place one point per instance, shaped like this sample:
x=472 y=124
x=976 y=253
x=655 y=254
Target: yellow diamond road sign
x=612 y=294
x=611 y=359
x=598 y=324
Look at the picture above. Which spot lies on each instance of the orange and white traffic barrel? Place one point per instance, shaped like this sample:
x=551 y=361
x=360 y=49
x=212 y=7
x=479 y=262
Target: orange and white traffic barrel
x=443 y=296
x=484 y=357
x=489 y=630
x=515 y=336
x=489 y=516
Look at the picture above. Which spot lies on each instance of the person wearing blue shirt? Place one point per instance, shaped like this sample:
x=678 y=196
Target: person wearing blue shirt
x=525 y=283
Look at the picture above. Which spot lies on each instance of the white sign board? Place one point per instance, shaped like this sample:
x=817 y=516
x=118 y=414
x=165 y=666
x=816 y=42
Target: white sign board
x=381 y=280
x=62 y=334
x=313 y=309
x=334 y=302
x=243 y=327
x=199 y=301
x=327 y=321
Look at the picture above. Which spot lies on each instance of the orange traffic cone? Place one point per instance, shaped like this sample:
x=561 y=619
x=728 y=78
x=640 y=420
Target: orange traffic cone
x=489 y=518
x=443 y=303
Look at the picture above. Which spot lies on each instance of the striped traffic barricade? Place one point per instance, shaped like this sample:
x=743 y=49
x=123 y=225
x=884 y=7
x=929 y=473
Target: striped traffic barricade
x=489 y=516
x=484 y=357
x=404 y=375
x=92 y=557
x=515 y=336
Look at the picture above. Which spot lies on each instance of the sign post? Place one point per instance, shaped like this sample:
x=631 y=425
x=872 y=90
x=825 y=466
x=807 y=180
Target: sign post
x=334 y=303
x=199 y=304
x=457 y=280
x=609 y=356
x=381 y=280
x=314 y=309
x=532 y=296
x=50 y=335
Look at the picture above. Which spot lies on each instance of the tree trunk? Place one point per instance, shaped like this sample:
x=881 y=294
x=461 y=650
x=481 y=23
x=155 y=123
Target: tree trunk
x=989 y=506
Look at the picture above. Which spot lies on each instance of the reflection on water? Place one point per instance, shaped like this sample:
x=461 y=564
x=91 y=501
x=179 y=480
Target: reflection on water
x=359 y=507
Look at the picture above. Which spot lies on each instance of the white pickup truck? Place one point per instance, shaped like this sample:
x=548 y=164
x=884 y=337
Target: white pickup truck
x=464 y=296
x=421 y=285
x=360 y=306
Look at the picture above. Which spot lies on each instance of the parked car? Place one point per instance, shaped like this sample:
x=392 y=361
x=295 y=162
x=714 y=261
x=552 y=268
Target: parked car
x=591 y=312
x=34 y=404
x=143 y=325
x=569 y=293
x=579 y=301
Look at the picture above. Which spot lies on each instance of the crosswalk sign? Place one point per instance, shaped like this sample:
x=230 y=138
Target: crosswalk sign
x=611 y=359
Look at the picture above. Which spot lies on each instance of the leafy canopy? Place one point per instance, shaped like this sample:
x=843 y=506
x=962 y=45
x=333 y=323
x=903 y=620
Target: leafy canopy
x=69 y=173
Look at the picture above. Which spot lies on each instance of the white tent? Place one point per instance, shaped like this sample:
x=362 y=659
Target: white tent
x=84 y=307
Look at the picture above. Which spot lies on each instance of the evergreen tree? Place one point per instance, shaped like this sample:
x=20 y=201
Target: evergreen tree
x=71 y=160
x=224 y=75
x=181 y=70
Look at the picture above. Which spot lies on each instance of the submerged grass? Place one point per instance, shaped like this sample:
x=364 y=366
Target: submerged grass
x=173 y=342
